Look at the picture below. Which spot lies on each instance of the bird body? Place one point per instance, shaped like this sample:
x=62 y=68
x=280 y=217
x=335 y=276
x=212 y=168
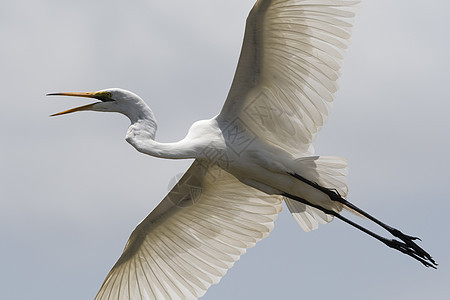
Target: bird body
x=260 y=165
x=254 y=154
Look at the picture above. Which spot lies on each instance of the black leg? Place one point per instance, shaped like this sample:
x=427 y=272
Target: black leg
x=334 y=195
x=407 y=246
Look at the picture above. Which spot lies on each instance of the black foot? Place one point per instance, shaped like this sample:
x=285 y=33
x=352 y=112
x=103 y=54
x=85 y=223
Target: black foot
x=407 y=246
x=412 y=249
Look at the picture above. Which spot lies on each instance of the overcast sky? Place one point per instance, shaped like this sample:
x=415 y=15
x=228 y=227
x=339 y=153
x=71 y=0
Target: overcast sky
x=72 y=189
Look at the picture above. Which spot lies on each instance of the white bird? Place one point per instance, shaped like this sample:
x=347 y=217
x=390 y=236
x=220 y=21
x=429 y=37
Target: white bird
x=256 y=153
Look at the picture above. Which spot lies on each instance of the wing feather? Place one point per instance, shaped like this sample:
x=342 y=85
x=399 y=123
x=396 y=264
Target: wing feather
x=192 y=238
x=288 y=69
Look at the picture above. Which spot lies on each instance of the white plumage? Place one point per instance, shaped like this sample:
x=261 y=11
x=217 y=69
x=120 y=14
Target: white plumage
x=192 y=238
x=283 y=88
x=249 y=158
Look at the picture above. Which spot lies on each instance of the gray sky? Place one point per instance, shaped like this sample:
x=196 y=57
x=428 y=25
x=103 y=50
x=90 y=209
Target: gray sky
x=72 y=190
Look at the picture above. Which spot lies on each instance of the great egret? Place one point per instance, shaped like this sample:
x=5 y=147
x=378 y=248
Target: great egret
x=254 y=154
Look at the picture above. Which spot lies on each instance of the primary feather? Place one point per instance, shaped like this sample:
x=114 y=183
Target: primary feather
x=287 y=75
x=192 y=238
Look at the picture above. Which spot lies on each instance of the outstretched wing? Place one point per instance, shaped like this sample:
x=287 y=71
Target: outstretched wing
x=190 y=240
x=288 y=69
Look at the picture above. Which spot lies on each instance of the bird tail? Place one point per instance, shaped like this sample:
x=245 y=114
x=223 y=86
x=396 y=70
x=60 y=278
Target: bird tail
x=327 y=171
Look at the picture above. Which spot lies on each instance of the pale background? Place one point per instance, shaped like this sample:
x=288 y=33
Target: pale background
x=72 y=189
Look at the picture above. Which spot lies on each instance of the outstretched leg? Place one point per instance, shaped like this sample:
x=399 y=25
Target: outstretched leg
x=336 y=197
x=408 y=246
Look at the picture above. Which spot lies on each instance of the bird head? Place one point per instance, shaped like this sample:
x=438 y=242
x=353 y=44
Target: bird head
x=111 y=100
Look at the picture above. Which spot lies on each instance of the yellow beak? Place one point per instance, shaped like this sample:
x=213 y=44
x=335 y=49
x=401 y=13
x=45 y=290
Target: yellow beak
x=80 y=108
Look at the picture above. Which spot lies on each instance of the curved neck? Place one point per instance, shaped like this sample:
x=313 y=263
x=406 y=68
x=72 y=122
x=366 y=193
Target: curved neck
x=142 y=118
x=142 y=132
x=177 y=150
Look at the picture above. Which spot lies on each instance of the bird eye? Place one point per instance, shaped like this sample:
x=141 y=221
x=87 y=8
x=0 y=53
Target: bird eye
x=107 y=94
x=104 y=96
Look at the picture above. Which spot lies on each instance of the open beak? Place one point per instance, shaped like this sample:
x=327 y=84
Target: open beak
x=96 y=95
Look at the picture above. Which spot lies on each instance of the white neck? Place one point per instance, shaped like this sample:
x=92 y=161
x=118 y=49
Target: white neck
x=141 y=135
